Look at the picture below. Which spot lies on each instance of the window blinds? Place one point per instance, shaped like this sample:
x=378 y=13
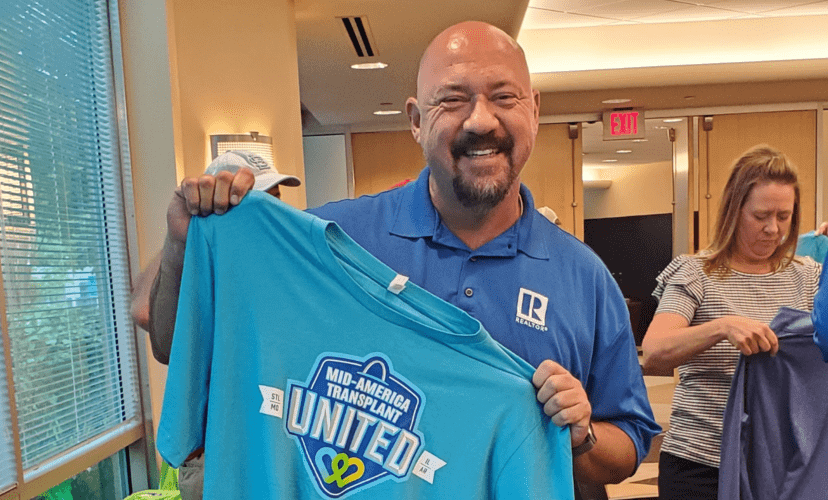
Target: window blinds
x=62 y=234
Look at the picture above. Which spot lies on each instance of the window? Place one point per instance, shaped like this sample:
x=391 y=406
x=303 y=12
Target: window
x=69 y=397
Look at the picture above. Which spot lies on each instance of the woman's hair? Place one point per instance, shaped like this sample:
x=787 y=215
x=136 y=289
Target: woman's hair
x=758 y=165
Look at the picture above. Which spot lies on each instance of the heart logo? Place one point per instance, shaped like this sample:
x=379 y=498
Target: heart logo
x=341 y=463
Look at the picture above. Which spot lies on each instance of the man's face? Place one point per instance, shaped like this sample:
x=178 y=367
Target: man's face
x=476 y=116
x=275 y=191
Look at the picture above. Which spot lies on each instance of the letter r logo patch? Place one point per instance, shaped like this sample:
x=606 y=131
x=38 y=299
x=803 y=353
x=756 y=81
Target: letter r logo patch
x=531 y=306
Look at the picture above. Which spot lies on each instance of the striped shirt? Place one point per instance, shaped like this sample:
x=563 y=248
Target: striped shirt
x=700 y=397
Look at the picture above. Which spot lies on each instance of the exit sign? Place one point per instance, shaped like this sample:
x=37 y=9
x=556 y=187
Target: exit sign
x=624 y=124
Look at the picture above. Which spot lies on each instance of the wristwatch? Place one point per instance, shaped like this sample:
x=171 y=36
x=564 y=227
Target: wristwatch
x=587 y=445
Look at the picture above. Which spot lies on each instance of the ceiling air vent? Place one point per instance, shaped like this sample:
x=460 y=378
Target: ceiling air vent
x=360 y=35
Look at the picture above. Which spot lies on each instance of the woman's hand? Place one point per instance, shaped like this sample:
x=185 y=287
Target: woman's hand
x=747 y=335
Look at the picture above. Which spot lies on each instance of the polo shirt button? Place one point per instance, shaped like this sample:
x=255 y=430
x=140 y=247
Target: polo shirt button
x=469 y=292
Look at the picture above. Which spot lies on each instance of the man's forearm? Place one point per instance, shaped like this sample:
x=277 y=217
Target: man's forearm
x=611 y=460
x=139 y=308
x=163 y=299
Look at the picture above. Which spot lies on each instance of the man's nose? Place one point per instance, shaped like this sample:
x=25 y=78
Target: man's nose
x=482 y=118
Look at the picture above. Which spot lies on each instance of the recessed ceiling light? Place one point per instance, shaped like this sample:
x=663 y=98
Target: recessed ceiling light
x=383 y=112
x=672 y=120
x=373 y=65
x=624 y=151
x=615 y=101
x=611 y=160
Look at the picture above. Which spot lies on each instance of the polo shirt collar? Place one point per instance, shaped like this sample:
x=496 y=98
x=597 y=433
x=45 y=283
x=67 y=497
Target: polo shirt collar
x=417 y=218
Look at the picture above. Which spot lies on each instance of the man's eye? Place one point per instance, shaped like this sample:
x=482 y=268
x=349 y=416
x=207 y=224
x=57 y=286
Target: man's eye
x=452 y=102
x=505 y=99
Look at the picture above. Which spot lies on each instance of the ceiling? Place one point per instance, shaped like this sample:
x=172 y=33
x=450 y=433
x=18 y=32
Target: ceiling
x=660 y=54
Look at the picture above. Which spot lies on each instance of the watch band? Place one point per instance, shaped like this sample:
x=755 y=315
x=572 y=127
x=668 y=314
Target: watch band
x=587 y=445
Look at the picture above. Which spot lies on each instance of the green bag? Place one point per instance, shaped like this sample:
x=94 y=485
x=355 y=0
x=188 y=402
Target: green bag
x=167 y=487
x=169 y=478
x=154 y=495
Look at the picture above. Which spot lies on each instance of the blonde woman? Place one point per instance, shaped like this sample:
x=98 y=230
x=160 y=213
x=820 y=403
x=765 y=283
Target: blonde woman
x=717 y=304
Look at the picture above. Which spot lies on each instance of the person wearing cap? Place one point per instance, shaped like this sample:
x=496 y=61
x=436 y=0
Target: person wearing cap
x=228 y=164
x=266 y=178
x=467 y=231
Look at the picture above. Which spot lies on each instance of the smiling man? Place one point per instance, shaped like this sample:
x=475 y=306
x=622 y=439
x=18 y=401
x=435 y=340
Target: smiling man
x=467 y=231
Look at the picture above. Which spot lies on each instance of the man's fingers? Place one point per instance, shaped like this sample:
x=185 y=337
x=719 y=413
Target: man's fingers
x=545 y=370
x=242 y=183
x=221 y=192
x=191 y=193
x=206 y=188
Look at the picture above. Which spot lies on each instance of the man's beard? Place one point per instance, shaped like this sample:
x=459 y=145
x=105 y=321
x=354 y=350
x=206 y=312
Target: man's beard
x=490 y=194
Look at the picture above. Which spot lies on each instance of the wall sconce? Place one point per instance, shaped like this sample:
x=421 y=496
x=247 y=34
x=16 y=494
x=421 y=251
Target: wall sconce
x=262 y=145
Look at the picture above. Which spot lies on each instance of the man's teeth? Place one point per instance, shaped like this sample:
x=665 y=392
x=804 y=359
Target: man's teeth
x=482 y=152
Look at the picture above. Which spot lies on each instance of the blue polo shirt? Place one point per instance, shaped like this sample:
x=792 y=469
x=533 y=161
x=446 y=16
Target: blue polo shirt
x=538 y=291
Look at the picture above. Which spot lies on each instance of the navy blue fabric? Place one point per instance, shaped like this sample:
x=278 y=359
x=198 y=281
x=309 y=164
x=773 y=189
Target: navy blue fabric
x=820 y=315
x=775 y=439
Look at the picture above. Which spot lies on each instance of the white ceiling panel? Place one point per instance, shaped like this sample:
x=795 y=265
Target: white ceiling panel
x=690 y=13
x=766 y=7
x=810 y=9
x=571 y=45
x=568 y=5
x=545 y=19
x=632 y=9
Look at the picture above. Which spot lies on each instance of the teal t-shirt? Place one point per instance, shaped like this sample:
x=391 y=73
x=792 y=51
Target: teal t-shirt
x=308 y=369
x=812 y=245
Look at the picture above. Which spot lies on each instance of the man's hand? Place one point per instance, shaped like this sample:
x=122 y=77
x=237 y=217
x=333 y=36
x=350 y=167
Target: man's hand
x=563 y=398
x=206 y=195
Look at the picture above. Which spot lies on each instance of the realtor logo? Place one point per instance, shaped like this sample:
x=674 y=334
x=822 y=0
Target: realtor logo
x=531 y=309
x=355 y=421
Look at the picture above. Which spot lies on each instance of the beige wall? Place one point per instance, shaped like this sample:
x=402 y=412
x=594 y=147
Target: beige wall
x=237 y=71
x=635 y=190
x=151 y=145
x=792 y=132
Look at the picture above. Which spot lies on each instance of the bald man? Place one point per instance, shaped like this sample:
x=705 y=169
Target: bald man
x=467 y=230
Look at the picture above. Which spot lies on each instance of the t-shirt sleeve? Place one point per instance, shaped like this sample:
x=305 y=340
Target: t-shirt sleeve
x=541 y=467
x=184 y=412
x=614 y=384
x=679 y=287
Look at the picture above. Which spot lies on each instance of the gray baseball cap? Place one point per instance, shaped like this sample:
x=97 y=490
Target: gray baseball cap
x=266 y=175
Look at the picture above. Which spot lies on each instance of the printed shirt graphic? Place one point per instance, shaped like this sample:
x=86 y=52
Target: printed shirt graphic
x=355 y=421
x=531 y=309
x=304 y=376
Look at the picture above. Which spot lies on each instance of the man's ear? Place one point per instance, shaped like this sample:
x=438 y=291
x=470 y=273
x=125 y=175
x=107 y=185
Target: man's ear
x=536 y=99
x=413 y=111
